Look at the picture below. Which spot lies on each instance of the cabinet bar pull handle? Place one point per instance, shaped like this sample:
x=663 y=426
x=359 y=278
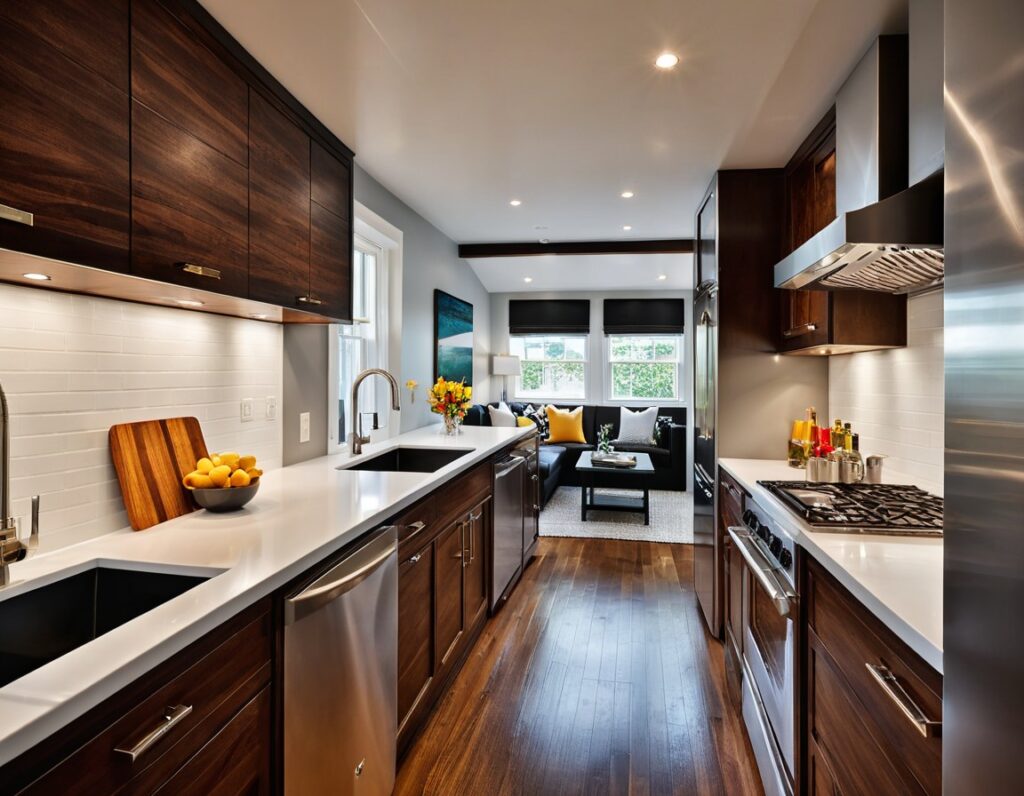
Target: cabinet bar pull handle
x=798 y=331
x=200 y=270
x=9 y=213
x=173 y=716
x=416 y=528
x=908 y=707
x=309 y=300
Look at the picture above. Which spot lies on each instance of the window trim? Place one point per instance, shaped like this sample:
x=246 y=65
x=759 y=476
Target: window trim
x=556 y=399
x=680 y=400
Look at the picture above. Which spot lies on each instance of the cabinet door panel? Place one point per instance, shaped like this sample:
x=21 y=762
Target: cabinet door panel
x=64 y=149
x=474 y=556
x=415 y=629
x=448 y=594
x=330 y=263
x=278 y=206
x=331 y=182
x=174 y=74
x=188 y=206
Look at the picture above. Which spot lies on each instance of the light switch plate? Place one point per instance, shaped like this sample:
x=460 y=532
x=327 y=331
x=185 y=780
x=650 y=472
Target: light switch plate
x=304 y=427
x=246 y=410
x=271 y=407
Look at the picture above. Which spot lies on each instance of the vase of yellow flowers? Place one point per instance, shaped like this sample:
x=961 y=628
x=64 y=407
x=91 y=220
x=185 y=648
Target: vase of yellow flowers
x=450 y=399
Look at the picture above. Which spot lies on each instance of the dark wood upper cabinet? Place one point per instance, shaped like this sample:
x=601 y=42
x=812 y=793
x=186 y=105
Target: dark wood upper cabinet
x=279 y=206
x=818 y=321
x=331 y=182
x=178 y=77
x=189 y=203
x=64 y=130
x=330 y=263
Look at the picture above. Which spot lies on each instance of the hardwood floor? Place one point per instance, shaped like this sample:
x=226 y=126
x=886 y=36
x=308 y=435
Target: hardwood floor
x=597 y=677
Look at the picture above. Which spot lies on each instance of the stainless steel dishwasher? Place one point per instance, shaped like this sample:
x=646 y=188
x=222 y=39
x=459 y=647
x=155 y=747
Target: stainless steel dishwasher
x=341 y=674
x=507 y=549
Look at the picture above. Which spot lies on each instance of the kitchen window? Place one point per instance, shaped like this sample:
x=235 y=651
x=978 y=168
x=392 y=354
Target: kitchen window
x=554 y=367
x=644 y=367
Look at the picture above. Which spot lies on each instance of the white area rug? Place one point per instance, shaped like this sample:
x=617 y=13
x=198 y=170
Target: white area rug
x=671 y=518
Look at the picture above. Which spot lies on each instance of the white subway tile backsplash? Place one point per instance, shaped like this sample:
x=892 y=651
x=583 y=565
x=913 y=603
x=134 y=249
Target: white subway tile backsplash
x=72 y=366
x=895 y=399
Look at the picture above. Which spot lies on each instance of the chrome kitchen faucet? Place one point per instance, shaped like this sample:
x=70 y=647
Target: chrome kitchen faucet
x=358 y=440
x=11 y=547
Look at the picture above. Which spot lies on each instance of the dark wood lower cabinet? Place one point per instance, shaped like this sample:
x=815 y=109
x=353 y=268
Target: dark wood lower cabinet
x=449 y=588
x=475 y=575
x=415 y=639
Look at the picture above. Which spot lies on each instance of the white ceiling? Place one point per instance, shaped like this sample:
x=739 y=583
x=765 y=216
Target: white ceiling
x=604 y=272
x=458 y=106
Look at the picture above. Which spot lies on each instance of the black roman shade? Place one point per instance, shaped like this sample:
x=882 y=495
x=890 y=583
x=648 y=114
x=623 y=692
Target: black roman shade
x=644 y=316
x=549 y=316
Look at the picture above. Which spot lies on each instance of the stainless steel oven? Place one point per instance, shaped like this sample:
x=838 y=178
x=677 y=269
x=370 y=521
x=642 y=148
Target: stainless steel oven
x=769 y=643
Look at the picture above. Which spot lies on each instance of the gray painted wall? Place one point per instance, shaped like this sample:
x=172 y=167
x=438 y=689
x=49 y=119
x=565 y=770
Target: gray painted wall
x=429 y=260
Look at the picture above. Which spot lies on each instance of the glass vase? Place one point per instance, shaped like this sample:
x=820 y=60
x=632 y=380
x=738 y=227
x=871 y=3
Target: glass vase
x=452 y=424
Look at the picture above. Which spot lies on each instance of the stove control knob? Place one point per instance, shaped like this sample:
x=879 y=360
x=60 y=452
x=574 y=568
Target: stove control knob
x=786 y=559
x=748 y=519
x=775 y=545
x=763 y=532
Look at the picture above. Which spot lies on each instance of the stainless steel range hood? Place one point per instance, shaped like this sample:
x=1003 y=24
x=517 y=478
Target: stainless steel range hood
x=891 y=246
x=887 y=237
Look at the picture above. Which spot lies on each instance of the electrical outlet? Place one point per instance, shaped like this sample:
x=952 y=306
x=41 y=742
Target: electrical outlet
x=304 y=427
x=246 y=410
x=271 y=407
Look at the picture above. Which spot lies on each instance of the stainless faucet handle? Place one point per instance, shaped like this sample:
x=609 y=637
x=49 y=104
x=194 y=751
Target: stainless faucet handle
x=33 y=539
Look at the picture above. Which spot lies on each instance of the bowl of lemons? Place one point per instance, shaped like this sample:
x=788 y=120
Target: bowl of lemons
x=223 y=481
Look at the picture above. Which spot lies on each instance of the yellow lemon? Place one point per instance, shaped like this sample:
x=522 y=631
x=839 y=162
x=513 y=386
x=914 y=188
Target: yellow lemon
x=199 y=481
x=239 y=478
x=246 y=462
x=230 y=459
x=220 y=475
x=187 y=480
x=204 y=466
x=216 y=460
x=254 y=473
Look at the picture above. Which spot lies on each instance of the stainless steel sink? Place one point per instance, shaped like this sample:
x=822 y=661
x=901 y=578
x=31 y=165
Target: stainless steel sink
x=410 y=460
x=40 y=625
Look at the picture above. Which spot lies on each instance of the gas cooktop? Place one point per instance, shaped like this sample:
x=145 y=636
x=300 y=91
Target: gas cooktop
x=889 y=509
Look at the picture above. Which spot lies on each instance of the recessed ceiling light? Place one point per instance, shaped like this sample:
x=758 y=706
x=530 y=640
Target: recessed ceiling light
x=188 y=302
x=666 y=60
x=515 y=203
x=527 y=279
x=626 y=194
x=37 y=277
x=662 y=277
x=627 y=227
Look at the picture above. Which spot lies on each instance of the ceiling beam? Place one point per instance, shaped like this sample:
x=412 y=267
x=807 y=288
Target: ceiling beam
x=473 y=251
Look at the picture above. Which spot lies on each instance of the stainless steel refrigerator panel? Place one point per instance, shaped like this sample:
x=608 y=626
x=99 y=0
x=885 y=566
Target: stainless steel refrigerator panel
x=983 y=701
x=706 y=561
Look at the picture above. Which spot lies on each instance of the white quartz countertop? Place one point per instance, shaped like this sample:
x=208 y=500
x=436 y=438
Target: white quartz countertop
x=301 y=515
x=898 y=578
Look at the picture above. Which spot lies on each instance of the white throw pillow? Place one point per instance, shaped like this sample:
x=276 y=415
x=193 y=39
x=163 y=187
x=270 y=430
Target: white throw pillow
x=501 y=416
x=637 y=428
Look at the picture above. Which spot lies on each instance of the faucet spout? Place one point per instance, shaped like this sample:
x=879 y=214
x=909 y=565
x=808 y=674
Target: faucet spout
x=358 y=439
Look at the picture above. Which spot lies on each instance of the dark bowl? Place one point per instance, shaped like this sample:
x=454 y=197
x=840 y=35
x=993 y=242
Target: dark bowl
x=226 y=498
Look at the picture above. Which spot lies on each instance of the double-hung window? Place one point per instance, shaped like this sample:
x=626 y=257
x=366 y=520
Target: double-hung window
x=554 y=367
x=644 y=367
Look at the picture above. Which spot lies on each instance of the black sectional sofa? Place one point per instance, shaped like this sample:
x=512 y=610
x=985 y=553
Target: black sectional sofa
x=558 y=460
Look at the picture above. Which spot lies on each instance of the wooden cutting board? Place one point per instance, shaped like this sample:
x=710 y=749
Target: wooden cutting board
x=151 y=457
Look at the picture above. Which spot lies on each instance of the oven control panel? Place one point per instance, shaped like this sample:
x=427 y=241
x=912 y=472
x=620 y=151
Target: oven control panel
x=779 y=544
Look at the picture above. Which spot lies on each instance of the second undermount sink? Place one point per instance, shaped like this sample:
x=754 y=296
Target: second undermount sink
x=410 y=460
x=41 y=625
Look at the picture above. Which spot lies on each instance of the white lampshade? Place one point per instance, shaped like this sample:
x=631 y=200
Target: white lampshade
x=505 y=365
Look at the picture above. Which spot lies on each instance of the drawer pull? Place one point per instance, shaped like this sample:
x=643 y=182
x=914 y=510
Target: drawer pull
x=732 y=491
x=908 y=707
x=416 y=558
x=799 y=331
x=9 y=213
x=416 y=528
x=309 y=300
x=200 y=270
x=172 y=718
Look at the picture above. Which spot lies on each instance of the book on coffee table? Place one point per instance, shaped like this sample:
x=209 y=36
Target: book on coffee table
x=613 y=459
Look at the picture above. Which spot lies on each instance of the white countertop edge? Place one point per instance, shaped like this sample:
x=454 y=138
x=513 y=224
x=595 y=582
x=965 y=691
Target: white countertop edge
x=28 y=715
x=887 y=608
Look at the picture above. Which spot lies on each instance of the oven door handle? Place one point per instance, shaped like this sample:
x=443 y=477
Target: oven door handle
x=781 y=595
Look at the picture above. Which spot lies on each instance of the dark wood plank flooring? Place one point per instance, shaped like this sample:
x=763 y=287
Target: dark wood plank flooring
x=598 y=677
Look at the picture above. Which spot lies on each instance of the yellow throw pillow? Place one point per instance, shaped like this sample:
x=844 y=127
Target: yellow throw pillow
x=565 y=426
x=524 y=422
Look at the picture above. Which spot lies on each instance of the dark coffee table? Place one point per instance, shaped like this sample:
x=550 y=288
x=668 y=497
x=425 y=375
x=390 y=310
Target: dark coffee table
x=594 y=475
